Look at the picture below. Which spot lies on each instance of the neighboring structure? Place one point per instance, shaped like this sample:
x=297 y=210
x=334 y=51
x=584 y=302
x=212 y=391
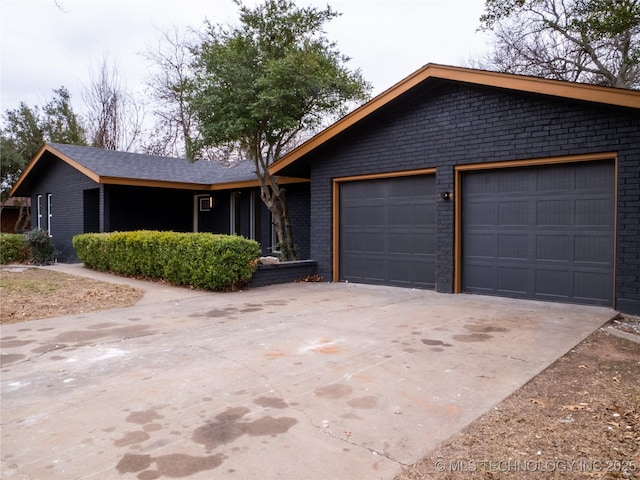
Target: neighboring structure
x=77 y=189
x=481 y=182
x=453 y=179
x=14 y=215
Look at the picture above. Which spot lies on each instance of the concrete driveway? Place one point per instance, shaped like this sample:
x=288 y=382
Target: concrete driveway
x=296 y=381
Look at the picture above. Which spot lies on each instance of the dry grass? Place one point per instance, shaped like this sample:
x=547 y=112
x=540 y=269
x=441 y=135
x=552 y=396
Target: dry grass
x=35 y=293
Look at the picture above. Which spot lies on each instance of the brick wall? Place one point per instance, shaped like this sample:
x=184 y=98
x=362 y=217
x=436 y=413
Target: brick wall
x=459 y=124
x=66 y=186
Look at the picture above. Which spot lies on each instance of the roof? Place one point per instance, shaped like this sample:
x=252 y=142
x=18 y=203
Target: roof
x=125 y=168
x=435 y=73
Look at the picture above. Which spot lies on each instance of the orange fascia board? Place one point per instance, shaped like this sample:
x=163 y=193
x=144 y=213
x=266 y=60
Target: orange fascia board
x=141 y=182
x=46 y=148
x=254 y=183
x=576 y=91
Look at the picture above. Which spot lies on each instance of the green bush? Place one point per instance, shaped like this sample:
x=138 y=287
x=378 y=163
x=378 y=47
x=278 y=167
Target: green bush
x=40 y=246
x=199 y=260
x=13 y=248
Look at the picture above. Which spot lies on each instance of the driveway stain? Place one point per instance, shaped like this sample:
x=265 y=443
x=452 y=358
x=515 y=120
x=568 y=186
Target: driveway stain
x=89 y=335
x=334 y=391
x=473 y=337
x=439 y=343
x=485 y=328
x=143 y=417
x=228 y=427
x=15 y=343
x=174 y=465
x=364 y=403
x=9 y=358
x=132 y=438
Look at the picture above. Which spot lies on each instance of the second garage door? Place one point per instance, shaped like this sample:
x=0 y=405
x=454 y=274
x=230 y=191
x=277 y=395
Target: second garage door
x=387 y=231
x=544 y=232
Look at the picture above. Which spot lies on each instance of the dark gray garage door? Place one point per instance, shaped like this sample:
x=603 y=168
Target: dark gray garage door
x=387 y=231
x=543 y=232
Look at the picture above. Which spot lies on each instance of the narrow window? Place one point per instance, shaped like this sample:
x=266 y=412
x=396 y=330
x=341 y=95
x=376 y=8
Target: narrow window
x=49 y=213
x=39 y=208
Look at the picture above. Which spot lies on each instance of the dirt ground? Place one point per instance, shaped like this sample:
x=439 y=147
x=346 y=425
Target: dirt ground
x=578 y=419
x=31 y=293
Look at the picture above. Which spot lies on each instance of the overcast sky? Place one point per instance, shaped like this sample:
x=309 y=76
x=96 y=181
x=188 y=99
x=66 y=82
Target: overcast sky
x=44 y=47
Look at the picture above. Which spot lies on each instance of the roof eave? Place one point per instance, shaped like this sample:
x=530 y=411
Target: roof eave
x=575 y=91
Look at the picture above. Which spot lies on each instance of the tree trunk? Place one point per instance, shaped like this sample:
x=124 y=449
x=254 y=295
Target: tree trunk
x=275 y=200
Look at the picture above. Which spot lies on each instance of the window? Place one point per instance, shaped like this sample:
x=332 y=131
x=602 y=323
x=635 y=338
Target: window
x=49 y=213
x=206 y=202
x=39 y=208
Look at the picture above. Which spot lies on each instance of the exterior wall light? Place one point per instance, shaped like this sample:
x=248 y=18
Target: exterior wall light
x=447 y=195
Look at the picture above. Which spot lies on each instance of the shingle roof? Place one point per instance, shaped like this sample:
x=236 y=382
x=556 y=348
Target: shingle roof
x=114 y=164
x=125 y=168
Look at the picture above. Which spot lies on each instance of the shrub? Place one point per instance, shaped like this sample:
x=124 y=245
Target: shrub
x=199 y=260
x=40 y=246
x=13 y=248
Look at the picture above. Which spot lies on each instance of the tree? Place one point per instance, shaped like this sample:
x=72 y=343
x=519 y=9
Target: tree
x=589 y=41
x=114 y=118
x=171 y=86
x=27 y=128
x=262 y=84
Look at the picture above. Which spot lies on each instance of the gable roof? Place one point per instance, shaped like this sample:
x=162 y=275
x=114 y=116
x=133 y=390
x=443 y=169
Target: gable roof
x=434 y=73
x=125 y=168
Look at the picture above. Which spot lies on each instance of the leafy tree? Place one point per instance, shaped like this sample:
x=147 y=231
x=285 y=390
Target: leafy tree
x=590 y=41
x=25 y=129
x=262 y=84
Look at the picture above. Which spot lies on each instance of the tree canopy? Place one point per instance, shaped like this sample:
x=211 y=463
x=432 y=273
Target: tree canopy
x=590 y=41
x=27 y=128
x=261 y=84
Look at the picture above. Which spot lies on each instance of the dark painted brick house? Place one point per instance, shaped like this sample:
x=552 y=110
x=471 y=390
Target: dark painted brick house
x=81 y=189
x=480 y=182
x=458 y=180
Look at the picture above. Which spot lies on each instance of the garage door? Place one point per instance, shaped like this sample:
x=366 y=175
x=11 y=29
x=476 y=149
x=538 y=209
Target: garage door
x=387 y=231
x=543 y=232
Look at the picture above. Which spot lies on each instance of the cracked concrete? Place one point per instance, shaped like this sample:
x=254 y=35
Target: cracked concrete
x=311 y=381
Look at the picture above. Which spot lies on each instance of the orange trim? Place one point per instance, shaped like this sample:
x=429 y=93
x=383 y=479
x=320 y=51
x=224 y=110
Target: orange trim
x=137 y=182
x=538 y=161
x=373 y=176
x=457 y=234
x=576 y=91
x=336 y=230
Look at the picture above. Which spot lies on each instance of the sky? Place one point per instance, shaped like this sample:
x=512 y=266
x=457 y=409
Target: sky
x=46 y=44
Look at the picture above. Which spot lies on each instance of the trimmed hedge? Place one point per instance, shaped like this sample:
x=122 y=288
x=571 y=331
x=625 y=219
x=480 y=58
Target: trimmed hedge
x=199 y=260
x=13 y=248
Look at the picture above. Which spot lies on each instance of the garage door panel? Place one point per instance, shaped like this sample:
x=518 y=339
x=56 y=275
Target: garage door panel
x=513 y=213
x=552 y=284
x=482 y=213
x=554 y=237
x=590 y=285
x=556 y=248
x=512 y=246
x=513 y=280
x=593 y=249
x=553 y=212
x=399 y=248
x=594 y=212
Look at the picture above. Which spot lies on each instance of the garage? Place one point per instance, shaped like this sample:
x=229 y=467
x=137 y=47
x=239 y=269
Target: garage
x=543 y=232
x=387 y=231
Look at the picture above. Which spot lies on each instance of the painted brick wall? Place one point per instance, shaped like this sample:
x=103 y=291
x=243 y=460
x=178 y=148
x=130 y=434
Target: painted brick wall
x=66 y=185
x=460 y=124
